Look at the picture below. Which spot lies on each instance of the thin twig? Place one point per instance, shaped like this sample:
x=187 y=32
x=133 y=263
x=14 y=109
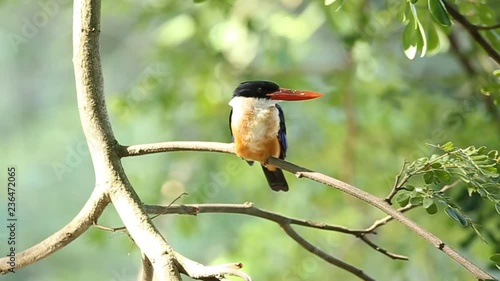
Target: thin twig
x=473 y=31
x=486 y=27
x=468 y=66
x=123 y=228
x=379 y=223
x=173 y=201
x=406 y=208
x=318 y=252
x=246 y=209
x=396 y=187
x=383 y=251
x=249 y=209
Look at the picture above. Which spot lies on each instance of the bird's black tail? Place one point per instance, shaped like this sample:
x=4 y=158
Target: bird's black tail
x=276 y=179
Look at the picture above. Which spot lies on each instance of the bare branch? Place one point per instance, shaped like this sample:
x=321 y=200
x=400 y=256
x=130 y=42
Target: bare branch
x=249 y=209
x=143 y=149
x=488 y=27
x=468 y=66
x=109 y=173
x=473 y=31
x=377 y=202
x=383 y=251
x=209 y=273
x=397 y=184
x=332 y=260
x=92 y=209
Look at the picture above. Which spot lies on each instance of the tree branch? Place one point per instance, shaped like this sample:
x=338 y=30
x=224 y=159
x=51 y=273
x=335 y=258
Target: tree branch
x=109 y=173
x=473 y=31
x=209 y=273
x=249 y=209
x=301 y=172
x=312 y=249
x=489 y=27
x=469 y=68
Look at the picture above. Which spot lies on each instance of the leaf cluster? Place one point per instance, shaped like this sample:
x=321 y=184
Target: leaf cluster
x=476 y=167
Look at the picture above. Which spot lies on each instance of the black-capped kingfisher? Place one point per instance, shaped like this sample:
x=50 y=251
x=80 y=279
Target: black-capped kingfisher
x=257 y=125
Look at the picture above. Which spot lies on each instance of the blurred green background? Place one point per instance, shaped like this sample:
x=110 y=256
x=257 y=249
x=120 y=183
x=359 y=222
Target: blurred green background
x=169 y=71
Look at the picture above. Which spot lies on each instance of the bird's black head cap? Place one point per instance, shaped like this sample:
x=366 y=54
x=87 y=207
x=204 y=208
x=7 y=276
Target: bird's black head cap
x=255 y=89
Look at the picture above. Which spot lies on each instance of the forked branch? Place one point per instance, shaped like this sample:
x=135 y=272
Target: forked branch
x=301 y=172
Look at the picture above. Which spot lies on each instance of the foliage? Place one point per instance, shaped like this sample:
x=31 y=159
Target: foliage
x=478 y=168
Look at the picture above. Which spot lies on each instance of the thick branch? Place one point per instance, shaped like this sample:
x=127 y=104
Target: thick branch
x=326 y=180
x=473 y=31
x=108 y=170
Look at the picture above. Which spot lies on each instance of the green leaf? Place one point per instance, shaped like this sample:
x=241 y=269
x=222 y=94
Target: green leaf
x=497 y=207
x=403 y=198
x=433 y=45
x=436 y=165
x=443 y=175
x=410 y=41
x=427 y=202
x=456 y=215
x=417 y=200
x=429 y=177
x=337 y=6
x=432 y=209
x=495 y=258
x=448 y=146
x=422 y=38
x=493 y=154
x=409 y=187
x=438 y=11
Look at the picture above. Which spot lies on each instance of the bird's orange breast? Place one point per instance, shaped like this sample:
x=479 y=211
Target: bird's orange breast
x=255 y=133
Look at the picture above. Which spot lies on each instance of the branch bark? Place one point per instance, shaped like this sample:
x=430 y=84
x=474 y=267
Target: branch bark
x=473 y=31
x=109 y=173
x=301 y=172
x=249 y=209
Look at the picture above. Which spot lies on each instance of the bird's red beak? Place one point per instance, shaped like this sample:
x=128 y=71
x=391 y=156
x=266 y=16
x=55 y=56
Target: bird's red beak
x=293 y=95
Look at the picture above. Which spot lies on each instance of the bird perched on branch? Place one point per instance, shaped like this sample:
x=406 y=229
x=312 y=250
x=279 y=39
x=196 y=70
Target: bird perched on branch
x=257 y=125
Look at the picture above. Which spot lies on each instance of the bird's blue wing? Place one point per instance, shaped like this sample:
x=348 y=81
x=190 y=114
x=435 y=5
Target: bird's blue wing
x=282 y=133
x=231 y=129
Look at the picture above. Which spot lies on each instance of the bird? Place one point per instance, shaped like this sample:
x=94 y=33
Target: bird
x=257 y=125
